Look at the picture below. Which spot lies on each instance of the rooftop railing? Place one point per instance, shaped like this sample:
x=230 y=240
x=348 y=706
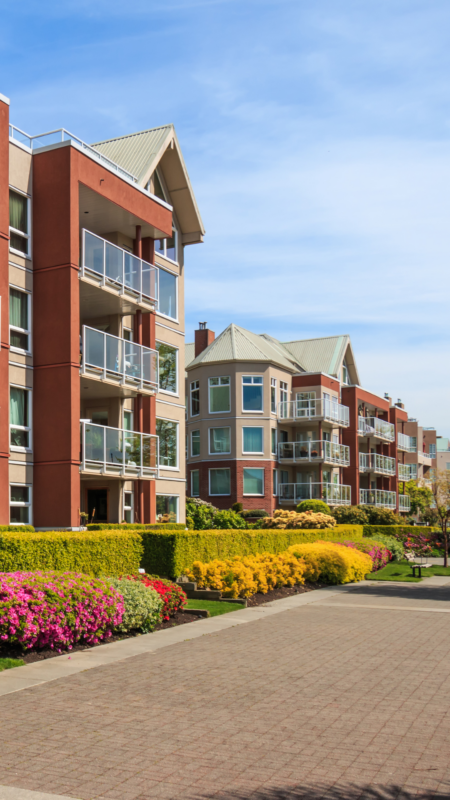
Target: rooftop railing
x=406 y=443
x=334 y=494
x=330 y=452
x=109 y=358
x=378 y=497
x=378 y=428
x=404 y=502
x=374 y=462
x=324 y=409
x=118 y=269
x=118 y=452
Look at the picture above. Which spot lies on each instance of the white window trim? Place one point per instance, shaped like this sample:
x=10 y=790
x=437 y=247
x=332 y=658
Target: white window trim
x=29 y=428
x=276 y=442
x=209 y=396
x=21 y=233
x=124 y=328
x=273 y=385
x=164 y=239
x=16 y=504
x=128 y=411
x=252 y=452
x=170 y=494
x=275 y=472
x=252 y=411
x=192 y=453
x=252 y=494
x=128 y=508
x=224 y=452
x=166 y=391
x=177 y=467
x=22 y=330
x=190 y=397
x=192 y=490
x=176 y=276
x=228 y=494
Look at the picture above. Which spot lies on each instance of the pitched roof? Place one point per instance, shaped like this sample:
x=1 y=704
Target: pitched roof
x=238 y=344
x=136 y=151
x=319 y=355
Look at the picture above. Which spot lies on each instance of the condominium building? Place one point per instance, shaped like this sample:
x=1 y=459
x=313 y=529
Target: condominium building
x=270 y=424
x=420 y=458
x=92 y=326
x=442 y=453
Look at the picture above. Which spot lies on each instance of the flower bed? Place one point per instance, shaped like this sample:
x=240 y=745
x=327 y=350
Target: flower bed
x=172 y=595
x=143 y=606
x=377 y=551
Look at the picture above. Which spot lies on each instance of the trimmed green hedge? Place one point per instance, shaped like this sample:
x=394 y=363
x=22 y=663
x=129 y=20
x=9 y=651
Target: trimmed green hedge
x=18 y=528
x=171 y=554
x=395 y=530
x=125 y=526
x=93 y=553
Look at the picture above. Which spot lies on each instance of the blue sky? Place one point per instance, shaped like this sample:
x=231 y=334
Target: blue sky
x=316 y=135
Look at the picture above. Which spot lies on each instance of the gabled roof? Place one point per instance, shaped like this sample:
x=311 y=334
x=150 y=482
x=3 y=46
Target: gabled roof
x=320 y=355
x=141 y=153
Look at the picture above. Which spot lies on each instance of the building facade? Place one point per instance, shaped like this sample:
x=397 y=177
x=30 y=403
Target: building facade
x=92 y=240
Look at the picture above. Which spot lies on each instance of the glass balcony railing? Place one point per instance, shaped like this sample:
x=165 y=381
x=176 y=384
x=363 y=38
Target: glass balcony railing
x=377 y=497
x=378 y=428
x=329 y=452
x=117 y=269
x=118 y=452
x=404 y=502
x=325 y=409
x=406 y=443
x=118 y=361
x=374 y=462
x=335 y=494
x=407 y=472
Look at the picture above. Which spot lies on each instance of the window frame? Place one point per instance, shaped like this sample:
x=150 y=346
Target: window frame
x=227 y=469
x=253 y=452
x=219 y=377
x=29 y=428
x=174 y=347
x=128 y=508
x=162 y=466
x=252 y=494
x=127 y=330
x=284 y=388
x=197 y=388
x=170 y=494
x=26 y=236
x=274 y=483
x=273 y=395
x=22 y=330
x=253 y=411
x=160 y=313
x=127 y=411
x=164 y=239
x=197 y=472
x=16 y=504
x=224 y=452
x=272 y=437
x=196 y=455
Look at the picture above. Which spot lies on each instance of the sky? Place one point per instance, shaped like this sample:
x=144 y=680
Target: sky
x=316 y=134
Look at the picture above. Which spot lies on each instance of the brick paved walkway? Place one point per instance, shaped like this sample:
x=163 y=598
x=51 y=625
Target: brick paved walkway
x=325 y=701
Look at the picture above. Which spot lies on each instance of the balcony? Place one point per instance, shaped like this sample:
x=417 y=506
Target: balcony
x=318 y=410
x=334 y=494
x=376 y=428
x=116 y=362
x=378 y=497
x=127 y=282
x=376 y=463
x=406 y=443
x=425 y=458
x=407 y=472
x=118 y=453
x=404 y=502
x=328 y=452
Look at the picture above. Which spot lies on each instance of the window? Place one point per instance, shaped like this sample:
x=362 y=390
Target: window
x=219 y=395
x=168 y=247
x=128 y=507
x=283 y=392
x=167 y=367
x=274 y=482
x=19 y=223
x=254 y=481
x=19 y=411
x=195 y=483
x=20 y=504
x=158 y=190
x=344 y=372
x=167 y=303
x=168 y=443
x=195 y=443
x=273 y=395
x=252 y=440
x=195 y=398
x=19 y=320
x=167 y=506
x=432 y=450
x=219 y=482
x=413 y=443
x=447 y=465
x=273 y=434
x=284 y=476
x=252 y=393
x=128 y=420
x=127 y=334
x=219 y=441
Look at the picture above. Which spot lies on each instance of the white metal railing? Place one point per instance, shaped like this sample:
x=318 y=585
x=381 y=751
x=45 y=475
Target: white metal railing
x=406 y=443
x=115 y=451
x=379 y=428
x=330 y=452
x=407 y=472
x=118 y=269
x=314 y=409
x=404 y=502
x=378 y=497
x=374 y=462
x=335 y=494
x=116 y=360
x=425 y=458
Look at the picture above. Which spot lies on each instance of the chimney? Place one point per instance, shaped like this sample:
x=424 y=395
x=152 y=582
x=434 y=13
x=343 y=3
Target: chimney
x=386 y=397
x=399 y=404
x=203 y=338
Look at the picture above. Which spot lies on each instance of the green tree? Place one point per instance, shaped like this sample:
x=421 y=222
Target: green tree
x=420 y=497
x=440 y=504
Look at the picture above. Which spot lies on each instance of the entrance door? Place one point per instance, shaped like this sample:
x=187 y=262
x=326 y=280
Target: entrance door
x=97 y=501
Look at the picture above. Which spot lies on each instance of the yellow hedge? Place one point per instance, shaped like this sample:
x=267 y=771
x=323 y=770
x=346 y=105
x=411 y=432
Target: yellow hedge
x=333 y=563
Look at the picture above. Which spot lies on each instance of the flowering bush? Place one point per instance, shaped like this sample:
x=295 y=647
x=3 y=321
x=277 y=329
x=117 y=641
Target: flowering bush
x=243 y=576
x=171 y=594
x=332 y=562
x=56 y=609
x=395 y=547
x=143 y=606
x=379 y=554
x=292 y=520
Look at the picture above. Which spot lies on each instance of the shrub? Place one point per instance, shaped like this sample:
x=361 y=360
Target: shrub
x=350 y=515
x=228 y=519
x=319 y=506
x=382 y=516
x=133 y=526
x=395 y=547
x=172 y=595
x=333 y=562
x=57 y=609
x=292 y=520
x=17 y=528
x=92 y=553
x=237 y=507
x=244 y=576
x=377 y=551
x=143 y=606
x=258 y=513
x=202 y=514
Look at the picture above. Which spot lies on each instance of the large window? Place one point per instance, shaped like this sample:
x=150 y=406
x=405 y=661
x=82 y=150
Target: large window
x=273 y=395
x=195 y=483
x=168 y=247
x=432 y=450
x=252 y=393
x=167 y=367
x=219 y=395
x=19 y=223
x=195 y=443
x=168 y=443
x=167 y=303
x=254 y=481
x=20 y=504
x=19 y=417
x=252 y=440
x=19 y=320
x=167 y=507
x=219 y=441
x=219 y=482
x=195 y=398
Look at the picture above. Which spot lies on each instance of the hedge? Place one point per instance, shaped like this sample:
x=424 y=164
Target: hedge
x=127 y=526
x=396 y=530
x=172 y=554
x=17 y=528
x=94 y=553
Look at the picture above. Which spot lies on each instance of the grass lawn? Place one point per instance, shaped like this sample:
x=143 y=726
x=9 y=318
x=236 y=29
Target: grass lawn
x=9 y=663
x=214 y=606
x=401 y=571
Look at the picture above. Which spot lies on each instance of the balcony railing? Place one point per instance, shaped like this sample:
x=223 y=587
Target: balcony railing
x=118 y=361
x=406 y=443
x=407 y=472
x=374 y=462
x=314 y=409
x=117 y=452
x=425 y=458
x=335 y=494
x=404 y=502
x=378 y=428
x=330 y=452
x=378 y=497
x=118 y=270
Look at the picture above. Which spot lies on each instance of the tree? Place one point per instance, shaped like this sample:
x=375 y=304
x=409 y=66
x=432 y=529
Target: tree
x=440 y=504
x=420 y=497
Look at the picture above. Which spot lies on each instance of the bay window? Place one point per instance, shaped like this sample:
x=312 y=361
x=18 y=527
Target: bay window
x=195 y=443
x=252 y=440
x=219 y=482
x=219 y=395
x=219 y=441
x=273 y=395
x=254 y=481
x=252 y=393
x=195 y=398
x=195 y=483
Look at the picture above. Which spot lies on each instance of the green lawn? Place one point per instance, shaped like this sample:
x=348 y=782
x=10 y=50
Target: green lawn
x=214 y=607
x=9 y=663
x=401 y=571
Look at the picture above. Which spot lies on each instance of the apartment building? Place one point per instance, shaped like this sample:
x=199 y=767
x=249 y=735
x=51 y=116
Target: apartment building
x=442 y=453
x=92 y=240
x=421 y=459
x=270 y=424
